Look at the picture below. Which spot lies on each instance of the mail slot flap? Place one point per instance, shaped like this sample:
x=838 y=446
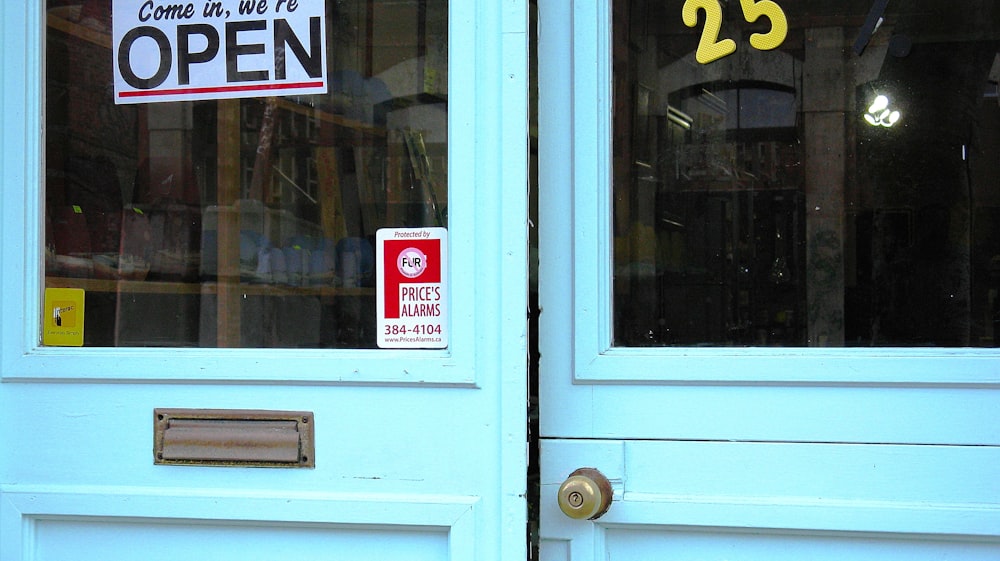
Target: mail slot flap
x=233 y=437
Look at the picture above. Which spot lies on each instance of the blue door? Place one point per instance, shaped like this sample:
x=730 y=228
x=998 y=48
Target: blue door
x=767 y=280
x=252 y=316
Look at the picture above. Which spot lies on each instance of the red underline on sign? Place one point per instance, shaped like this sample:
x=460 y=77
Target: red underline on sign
x=221 y=89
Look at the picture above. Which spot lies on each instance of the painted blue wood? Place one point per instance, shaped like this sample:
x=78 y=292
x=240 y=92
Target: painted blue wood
x=732 y=453
x=116 y=522
x=687 y=498
x=426 y=444
x=20 y=157
x=595 y=359
x=826 y=394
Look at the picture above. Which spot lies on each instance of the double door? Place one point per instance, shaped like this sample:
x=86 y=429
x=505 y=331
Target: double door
x=765 y=319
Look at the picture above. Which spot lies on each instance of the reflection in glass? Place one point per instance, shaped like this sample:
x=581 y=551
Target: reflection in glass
x=242 y=223
x=810 y=195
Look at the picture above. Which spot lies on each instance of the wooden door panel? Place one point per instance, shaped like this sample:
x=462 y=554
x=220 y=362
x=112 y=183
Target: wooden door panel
x=96 y=524
x=733 y=500
x=681 y=544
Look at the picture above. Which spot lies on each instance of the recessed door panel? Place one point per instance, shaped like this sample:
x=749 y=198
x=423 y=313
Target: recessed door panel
x=162 y=541
x=760 y=545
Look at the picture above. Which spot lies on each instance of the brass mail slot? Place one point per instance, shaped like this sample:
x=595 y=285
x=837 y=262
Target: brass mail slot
x=233 y=437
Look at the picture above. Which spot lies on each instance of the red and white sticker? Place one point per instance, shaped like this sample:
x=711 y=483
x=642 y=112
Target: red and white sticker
x=412 y=288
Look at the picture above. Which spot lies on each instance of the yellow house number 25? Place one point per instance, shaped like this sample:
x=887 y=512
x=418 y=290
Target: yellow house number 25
x=710 y=48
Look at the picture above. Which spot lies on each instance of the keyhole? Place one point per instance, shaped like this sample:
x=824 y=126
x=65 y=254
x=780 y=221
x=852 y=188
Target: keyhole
x=575 y=499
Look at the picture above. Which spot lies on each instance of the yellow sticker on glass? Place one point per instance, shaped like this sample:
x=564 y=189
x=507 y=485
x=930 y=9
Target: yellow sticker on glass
x=62 y=317
x=773 y=39
x=711 y=48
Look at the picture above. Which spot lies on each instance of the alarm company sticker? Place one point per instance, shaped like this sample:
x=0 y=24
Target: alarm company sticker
x=412 y=288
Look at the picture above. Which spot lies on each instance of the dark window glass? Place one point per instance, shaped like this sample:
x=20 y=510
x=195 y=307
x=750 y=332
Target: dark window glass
x=837 y=186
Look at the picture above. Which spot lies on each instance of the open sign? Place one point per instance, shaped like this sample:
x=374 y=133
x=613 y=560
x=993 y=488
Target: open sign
x=169 y=50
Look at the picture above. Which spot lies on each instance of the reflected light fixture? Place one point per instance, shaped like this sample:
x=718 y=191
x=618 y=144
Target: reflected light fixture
x=880 y=114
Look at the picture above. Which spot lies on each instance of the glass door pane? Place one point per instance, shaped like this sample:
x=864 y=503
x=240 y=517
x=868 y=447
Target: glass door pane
x=806 y=174
x=242 y=222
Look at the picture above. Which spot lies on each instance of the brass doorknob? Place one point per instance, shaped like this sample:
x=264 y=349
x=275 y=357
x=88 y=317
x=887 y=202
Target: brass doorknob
x=585 y=495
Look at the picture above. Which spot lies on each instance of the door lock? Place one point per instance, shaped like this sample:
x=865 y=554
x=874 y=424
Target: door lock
x=585 y=495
